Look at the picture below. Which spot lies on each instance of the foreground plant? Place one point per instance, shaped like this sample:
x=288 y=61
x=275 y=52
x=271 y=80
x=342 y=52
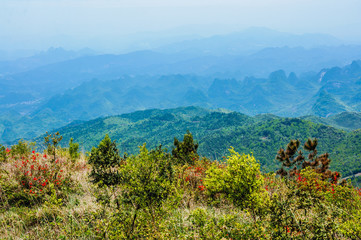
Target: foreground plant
x=239 y=180
x=134 y=187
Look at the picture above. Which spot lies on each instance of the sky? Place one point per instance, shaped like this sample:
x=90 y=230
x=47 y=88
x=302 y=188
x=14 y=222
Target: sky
x=75 y=23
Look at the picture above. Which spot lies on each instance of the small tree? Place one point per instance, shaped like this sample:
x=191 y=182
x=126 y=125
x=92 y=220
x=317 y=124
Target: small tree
x=51 y=142
x=147 y=180
x=240 y=181
x=105 y=161
x=3 y=156
x=73 y=150
x=23 y=148
x=293 y=161
x=185 y=152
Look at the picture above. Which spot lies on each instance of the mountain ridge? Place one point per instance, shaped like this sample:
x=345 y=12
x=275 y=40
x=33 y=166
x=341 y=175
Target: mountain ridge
x=216 y=131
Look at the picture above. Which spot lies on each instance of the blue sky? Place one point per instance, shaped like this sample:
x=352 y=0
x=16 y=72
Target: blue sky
x=82 y=20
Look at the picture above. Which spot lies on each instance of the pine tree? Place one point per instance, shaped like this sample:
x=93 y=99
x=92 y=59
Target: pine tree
x=185 y=152
x=293 y=160
x=105 y=161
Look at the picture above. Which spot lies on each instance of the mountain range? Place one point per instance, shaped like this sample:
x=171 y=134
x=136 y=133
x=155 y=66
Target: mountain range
x=54 y=88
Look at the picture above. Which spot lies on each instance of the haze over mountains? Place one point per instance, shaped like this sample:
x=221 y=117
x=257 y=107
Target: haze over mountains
x=253 y=71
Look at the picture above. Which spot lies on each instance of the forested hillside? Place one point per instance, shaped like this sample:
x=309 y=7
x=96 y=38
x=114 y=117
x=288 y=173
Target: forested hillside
x=215 y=131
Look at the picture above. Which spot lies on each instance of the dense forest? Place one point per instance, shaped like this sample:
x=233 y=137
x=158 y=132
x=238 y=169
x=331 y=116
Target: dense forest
x=217 y=130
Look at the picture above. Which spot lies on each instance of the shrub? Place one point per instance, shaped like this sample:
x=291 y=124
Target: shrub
x=185 y=152
x=23 y=148
x=73 y=150
x=51 y=142
x=190 y=184
x=32 y=180
x=146 y=183
x=105 y=161
x=3 y=153
x=146 y=179
x=240 y=180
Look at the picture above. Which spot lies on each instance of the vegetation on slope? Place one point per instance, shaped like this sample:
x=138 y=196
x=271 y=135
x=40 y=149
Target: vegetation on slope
x=154 y=194
x=217 y=130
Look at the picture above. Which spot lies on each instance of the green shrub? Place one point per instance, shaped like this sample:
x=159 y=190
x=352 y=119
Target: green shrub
x=73 y=150
x=105 y=161
x=22 y=149
x=239 y=180
x=146 y=179
x=185 y=152
x=313 y=208
x=51 y=142
x=3 y=153
x=135 y=187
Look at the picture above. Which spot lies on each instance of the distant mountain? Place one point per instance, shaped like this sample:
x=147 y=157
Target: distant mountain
x=339 y=92
x=43 y=82
x=322 y=94
x=348 y=121
x=249 y=41
x=234 y=71
x=52 y=55
x=216 y=131
x=326 y=105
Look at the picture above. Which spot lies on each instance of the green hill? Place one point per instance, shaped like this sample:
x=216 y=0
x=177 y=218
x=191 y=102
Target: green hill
x=216 y=131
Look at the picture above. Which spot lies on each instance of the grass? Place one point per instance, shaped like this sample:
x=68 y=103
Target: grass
x=291 y=210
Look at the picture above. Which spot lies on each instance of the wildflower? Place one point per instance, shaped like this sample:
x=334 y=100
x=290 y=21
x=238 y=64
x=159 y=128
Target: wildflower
x=8 y=150
x=33 y=152
x=44 y=156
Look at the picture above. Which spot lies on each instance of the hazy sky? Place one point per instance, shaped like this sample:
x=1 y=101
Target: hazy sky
x=35 y=23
